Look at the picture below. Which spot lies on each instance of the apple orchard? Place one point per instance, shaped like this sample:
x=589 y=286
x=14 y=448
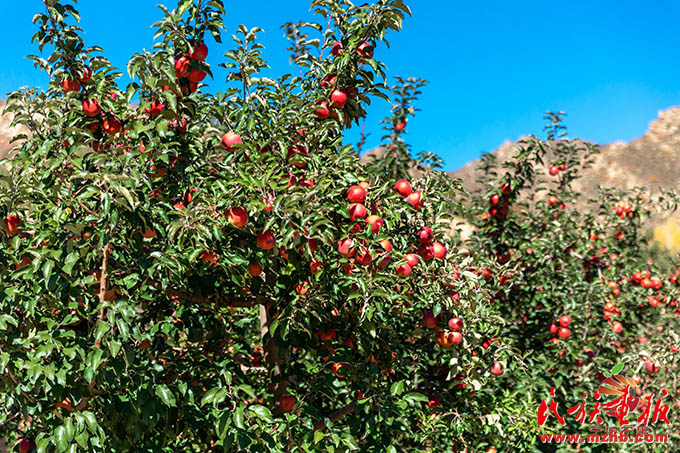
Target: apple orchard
x=186 y=271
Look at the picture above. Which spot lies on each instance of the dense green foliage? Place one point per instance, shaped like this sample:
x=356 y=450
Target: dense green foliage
x=201 y=272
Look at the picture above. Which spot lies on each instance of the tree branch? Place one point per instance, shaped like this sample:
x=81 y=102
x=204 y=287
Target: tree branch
x=219 y=299
x=336 y=415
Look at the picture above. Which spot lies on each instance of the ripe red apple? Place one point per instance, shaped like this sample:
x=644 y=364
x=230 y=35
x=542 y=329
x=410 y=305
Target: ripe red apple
x=26 y=446
x=338 y=98
x=425 y=235
x=182 y=66
x=230 y=139
x=200 y=52
x=86 y=75
x=617 y=327
x=553 y=328
x=337 y=49
x=494 y=199
x=196 y=75
x=554 y=170
x=266 y=240
x=456 y=324
x=112 y=125
x=329 y=335
x=565 y=320
x=411 y=259
x=12 y=223
x=209 y=257
x=375 y=222
x=365 y=49
x=363 y=256
x=287 y=403
x=329 y=81
x=497 y=369
x=322 y=110
x=237 y=216
x=429 y=320
x=403 y=187
x=426 y=252
x=356 y=194
x=434 y=402
x=254 y=269
x=564 y=333
x=156 y=108
x=552 y=200
x=357 y=211
x=91 y=107
x=415 y=199
x=439 y=250
x=403 y=270
x=651 y=367
x=70 y=85
x=455 y=337
x=386 y=245
x=346 y=247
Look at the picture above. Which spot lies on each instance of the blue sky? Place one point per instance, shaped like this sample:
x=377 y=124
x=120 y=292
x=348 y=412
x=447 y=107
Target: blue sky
x=493 y=66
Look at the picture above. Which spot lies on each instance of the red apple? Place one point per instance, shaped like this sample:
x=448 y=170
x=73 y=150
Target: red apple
x=337 y=49
x=651 y=367
x=230 y=139
x=254 y=269
x=439 y=250
x=70 y=85
x=26 y=446
x=112 y=125
x=86 y=75
x=363 y=256
x=182 y=66
x=554 y=170
x=565 y=320
x=403 y=270
x=434 y=402
x=375 y=222
x=200 y=52
x=365 y=49
x=12 y=223
x=564 y=333
x=196 y=76
x=497 y=369
x=356 y=194
x=425 y=235
x=91 y=107
x=237 y=216
x=415 y=199
x=322 y=110
x=456 y=324
x=429 y=320
x=338 y=98
x=411 y=259
x=287 y=403
x=266 y=240
x=357 y=211
x=426 y=252
x=346 y=247
x=403 y=187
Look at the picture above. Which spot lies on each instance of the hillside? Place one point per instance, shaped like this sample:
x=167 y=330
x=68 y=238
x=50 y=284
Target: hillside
x=652 y=160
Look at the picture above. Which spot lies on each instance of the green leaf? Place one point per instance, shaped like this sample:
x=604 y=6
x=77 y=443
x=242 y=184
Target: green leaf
x=397 y=388
x=413 y=397
x=165 y=394
x=262 y=412
x=617 y=368
x=238 y=418
x=70 y=260
x=59 y=437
